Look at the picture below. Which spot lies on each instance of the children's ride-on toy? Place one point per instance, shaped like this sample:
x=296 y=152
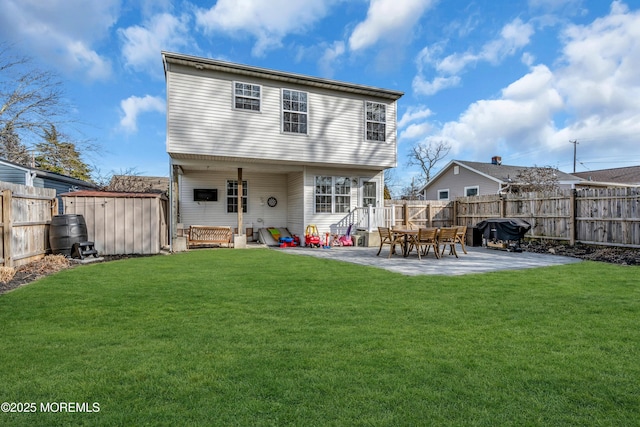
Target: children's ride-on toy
x=311 y=237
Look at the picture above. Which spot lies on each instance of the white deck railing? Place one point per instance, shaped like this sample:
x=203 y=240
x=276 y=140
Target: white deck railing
x=368 y=218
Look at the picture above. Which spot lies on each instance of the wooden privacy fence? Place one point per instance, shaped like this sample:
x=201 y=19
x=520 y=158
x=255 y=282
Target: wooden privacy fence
x=421 y=213
x=606 y=216
x=26 y=216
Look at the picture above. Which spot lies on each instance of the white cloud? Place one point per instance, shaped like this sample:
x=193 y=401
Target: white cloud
x=386 y=19
x=414 y=113
x=513 y=36
x=142 y=44
x=61 y=31
x=269 y=22
x=593 y=96
x=415 y=131
x=331 y=55
x=424 y=87
x=133 y=106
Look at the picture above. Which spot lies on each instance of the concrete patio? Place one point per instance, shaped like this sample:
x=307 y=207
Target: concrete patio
x=478 y=260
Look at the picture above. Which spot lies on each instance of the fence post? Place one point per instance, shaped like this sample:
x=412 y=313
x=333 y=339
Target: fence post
x=429 y=216
x=454 y=219
x=405 y=214
x=393 y=216
x=54 y=207
x=502 y=207
x=7 y=228
x=572 y=218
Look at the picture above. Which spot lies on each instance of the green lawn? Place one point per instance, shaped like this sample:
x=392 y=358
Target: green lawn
x=259 y=337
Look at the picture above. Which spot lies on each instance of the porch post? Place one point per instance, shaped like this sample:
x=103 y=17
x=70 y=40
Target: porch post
x=176 y=243
x=240 y=240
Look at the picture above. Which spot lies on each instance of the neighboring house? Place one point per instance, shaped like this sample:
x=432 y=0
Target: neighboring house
x=616 y=176
x=303 y=150
x=33 y=177
x=462 y=178
x=136 y=183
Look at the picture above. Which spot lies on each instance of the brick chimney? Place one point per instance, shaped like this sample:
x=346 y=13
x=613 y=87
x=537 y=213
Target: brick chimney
x=496 y=160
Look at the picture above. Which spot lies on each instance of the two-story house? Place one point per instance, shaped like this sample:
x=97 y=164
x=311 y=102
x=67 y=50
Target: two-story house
x=252 y=148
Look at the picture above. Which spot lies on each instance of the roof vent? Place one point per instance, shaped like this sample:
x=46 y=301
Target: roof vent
x=496 y=160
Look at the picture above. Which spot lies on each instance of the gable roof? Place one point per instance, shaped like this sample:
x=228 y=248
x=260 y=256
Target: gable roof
x=506 y=173
x=625 y=175
x=49 y=175
x=247 y=70
x=501 y=174
x=140 y=183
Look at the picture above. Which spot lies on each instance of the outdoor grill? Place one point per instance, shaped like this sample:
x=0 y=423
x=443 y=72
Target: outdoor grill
x=503 y=233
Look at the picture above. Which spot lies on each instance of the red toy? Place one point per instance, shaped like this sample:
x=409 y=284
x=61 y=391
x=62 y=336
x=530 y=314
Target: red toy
x=311 y=236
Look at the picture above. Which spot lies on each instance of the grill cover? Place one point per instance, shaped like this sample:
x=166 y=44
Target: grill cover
x=503 y=228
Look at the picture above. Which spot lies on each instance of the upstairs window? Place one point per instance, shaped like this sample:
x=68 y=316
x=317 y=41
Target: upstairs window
x=294 y=111
x=246 y=96
x=376 y=121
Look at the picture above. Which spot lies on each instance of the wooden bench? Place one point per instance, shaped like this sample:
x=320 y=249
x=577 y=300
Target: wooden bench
x=209 y=235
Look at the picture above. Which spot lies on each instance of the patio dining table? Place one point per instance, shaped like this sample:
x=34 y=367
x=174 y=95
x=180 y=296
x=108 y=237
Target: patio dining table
x=406 y=232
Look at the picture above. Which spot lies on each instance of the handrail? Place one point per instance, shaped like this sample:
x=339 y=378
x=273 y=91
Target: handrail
x=368 y=218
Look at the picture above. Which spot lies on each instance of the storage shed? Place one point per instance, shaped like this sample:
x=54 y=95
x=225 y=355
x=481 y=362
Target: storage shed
x=122 y=223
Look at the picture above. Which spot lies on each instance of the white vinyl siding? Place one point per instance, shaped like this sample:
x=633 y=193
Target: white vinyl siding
x=326 y=222
x=457 y=184
x=260 y=186
x=201 y=124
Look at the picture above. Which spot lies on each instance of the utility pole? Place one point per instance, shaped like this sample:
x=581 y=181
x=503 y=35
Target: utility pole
x=575 y=149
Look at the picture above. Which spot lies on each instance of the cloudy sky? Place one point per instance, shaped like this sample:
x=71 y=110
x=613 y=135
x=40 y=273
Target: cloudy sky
x=518 y=78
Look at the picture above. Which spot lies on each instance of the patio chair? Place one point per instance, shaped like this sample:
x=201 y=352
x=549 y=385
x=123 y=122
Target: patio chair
x=461 y=236
x=447 y=236
x=426 y=239
x=387 y=237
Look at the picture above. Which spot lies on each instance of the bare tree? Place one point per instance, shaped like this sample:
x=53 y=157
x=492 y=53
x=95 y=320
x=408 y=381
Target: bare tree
x=412 y=191
x=30 y=98
x=389 y=183
x=537 y=178
x=130 y=181
x=31 y=103
x=426 y=156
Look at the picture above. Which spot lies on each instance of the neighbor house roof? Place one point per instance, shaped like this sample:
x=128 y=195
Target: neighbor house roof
x=502 y=174
x=626 y=175
x=139 y=183
x=51 y=175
